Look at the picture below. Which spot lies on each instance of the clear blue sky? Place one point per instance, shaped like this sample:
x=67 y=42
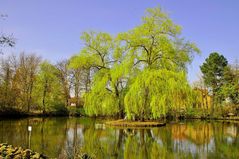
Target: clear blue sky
x=51 y=28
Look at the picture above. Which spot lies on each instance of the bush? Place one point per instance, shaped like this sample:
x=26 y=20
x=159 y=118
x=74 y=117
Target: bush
x=233 y=109
x=74 y=111
x=60 y=109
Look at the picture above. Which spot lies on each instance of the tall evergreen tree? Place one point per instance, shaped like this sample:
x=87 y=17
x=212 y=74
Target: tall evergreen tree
x=213 y=70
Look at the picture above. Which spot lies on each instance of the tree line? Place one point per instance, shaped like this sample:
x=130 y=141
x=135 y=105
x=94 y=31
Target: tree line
x=220 y=81
x=139 y=74
x=29 y=83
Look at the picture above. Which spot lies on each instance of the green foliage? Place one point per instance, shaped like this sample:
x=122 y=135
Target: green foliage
x=139 y=72
x=76 y=111
x=100 y=101
x=96 y=53
x=222 y=79
x=213 y=69
x=17 y=80
x=47 y=89
x=159 y=64
x=58 y=109
x=155 y=92
x=102 y=57
x=230 y=89
x=156 y=43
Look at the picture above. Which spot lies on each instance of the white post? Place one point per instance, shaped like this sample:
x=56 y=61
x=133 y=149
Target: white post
x=29 y=136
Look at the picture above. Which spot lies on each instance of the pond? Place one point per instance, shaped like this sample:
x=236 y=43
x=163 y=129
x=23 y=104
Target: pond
x=69 y=137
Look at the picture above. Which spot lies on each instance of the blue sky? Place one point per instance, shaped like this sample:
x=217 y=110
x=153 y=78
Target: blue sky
x=52 y=28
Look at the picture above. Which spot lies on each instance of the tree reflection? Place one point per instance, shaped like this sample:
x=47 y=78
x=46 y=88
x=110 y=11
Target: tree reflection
x=73 y=137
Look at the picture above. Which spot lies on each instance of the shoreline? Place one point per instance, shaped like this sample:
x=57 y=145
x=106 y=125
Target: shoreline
x=74 y=113
x=110 y=120
x=129 y=124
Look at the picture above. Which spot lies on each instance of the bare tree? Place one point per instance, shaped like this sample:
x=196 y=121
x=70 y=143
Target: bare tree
x=6 y=74
x=63 y=75
x=25 y=77
x=76 y=83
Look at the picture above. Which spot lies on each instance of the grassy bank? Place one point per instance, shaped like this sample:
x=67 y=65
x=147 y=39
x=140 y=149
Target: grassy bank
x=71 y=111
x=218 y=114
x=126 y=123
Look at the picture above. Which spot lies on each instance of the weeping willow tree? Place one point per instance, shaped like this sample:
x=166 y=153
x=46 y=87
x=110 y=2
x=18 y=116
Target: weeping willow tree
x=160 y=57
x=140 y=73
x=155 y=92
x=103 y=57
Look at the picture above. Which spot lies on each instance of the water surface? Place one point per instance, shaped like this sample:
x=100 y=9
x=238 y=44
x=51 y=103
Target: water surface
x=68 y=137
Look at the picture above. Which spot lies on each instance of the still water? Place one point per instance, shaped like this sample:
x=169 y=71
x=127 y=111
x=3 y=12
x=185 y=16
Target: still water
x=69 y=137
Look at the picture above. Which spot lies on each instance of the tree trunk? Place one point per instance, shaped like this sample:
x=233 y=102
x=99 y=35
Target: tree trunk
x=121 y=110
x=44 y=98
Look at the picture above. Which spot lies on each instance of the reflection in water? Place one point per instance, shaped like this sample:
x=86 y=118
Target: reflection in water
x=69 y=137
